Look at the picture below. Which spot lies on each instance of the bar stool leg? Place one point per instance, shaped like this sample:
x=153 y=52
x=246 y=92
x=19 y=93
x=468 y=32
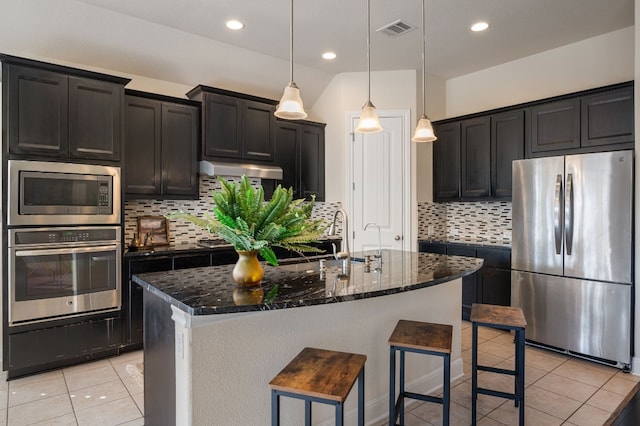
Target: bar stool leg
x=446 y=401
x=520 y=368
x=392 y=386
x=474 y=373
x=307 y=413
x=401 y=394
x=361 y=398
x=275 y=408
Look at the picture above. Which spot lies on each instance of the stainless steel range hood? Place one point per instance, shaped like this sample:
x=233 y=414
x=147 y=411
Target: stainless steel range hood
x=216 y=168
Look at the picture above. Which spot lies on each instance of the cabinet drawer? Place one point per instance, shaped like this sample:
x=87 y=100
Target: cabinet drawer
x=497 y=258
x=433 y=248
x=191 y=261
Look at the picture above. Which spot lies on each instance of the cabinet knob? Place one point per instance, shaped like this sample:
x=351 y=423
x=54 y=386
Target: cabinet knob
x=397 y=238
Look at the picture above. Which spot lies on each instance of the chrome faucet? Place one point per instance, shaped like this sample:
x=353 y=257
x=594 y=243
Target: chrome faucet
x=344 y=252
x=379 y=252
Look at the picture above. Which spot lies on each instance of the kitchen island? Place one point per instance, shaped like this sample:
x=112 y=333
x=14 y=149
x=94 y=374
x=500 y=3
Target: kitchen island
x=211 y=348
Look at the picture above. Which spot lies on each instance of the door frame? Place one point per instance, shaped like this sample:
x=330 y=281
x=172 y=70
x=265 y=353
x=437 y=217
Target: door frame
x=409 y=219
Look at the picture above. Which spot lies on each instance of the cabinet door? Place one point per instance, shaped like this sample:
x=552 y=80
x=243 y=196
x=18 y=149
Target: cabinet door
x=259 y=131
x=132 y=305
x=37 y=111
x=555 y=126
x=312 y=162
x=507 y=144
x=475 y=147
x=446 y=162
x=286 y=155
x=185 y=261
x=95 y=119
x=607 y=118
x=469 y=283
x=179 y=150
x=222 y=126
x=142 y=161
x=494 y=279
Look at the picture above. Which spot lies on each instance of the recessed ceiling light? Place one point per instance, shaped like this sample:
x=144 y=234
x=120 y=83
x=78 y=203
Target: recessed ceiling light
x=234 y=24
x=479 y=26
x=329 y=55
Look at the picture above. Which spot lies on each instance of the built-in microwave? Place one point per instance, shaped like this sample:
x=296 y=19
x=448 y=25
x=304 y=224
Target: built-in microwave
x=50 y=193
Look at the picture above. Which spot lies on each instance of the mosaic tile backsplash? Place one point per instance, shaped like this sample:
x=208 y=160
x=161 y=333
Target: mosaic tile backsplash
x=482 y=222
x=183 y=232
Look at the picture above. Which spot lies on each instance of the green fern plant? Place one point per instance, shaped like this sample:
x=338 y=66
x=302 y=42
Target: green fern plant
x=243 y=219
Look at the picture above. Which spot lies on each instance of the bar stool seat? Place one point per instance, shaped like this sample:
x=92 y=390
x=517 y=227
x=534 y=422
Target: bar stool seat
x=319 y=375
x=504 y=318
x=424 y=338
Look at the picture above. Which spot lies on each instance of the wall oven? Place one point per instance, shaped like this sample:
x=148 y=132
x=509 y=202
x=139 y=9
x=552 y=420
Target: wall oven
x=48 y=193
x=63 y=272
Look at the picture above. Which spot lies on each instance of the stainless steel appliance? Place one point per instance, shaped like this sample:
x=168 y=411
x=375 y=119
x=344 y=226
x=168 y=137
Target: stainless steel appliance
x=48 y=193
x=572 y=252
x=61 y=272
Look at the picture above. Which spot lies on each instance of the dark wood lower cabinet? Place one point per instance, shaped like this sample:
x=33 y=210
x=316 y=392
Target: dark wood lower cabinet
x=491 y=284
x=34 y=350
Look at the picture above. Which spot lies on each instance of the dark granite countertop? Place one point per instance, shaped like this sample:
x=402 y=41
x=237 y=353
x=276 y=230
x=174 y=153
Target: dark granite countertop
x=211 y=290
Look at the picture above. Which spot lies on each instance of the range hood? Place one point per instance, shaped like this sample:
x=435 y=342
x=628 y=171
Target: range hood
x=217 y=168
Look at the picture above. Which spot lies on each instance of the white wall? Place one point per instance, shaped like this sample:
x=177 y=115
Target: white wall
x=347 y=93
x=594 y=62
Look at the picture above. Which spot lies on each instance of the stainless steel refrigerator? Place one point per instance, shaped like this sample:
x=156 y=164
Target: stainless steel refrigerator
x=572 y=252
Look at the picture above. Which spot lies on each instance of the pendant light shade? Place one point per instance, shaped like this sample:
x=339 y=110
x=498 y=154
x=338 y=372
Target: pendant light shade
x=368 y=122
x=290 y=106
x=424 y=130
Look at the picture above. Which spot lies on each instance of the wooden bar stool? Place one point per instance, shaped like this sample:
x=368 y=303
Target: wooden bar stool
x=423 y=338
x=503 y=318
x=318 y=375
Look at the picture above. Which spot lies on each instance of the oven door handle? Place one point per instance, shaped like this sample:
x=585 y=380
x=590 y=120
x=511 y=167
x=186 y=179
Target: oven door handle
x=44 y=252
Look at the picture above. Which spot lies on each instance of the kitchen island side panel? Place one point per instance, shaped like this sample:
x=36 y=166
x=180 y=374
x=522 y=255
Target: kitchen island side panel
x=225 y=362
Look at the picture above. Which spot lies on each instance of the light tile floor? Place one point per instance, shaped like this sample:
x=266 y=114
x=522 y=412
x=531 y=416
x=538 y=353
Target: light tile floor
x=561 y=390
x=107 y=392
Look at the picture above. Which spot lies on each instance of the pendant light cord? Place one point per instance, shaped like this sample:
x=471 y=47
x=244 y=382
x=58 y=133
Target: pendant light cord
x=291 y=45
x=369 y=51
x=424 y=62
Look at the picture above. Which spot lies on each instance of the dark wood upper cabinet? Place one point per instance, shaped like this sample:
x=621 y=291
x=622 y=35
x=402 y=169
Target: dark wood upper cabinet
x=507 y=144
x=555 y=126
x=235 y=126
x=180 y=133
x=300 y=153
x=259 y=131
x=221 y=126
x=475 y=147
x=161 y=147
x=62 y=112
x=143 y=156
x=95 y=119
x=446 y=158
x=37 y=112
x=607 y=118
x=287 y=154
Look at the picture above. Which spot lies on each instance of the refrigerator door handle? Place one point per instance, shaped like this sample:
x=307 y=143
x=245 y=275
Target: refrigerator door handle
x=568 y=215
x=557 y=210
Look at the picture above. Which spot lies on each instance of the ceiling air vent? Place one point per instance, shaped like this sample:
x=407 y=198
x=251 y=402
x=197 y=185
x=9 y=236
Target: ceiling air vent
x=396 y=28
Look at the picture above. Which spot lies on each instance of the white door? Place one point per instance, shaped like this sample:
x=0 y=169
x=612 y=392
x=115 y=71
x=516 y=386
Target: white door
x=380 y=176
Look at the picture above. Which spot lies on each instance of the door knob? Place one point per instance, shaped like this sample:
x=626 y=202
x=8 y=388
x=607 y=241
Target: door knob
x=397 y=238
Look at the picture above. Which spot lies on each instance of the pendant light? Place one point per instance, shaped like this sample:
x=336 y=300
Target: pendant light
x=290 y=106
x=424 y=131
x=368 y=122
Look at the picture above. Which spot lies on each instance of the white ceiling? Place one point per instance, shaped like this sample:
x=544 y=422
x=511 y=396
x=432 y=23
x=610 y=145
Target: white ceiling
x=185 y=41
